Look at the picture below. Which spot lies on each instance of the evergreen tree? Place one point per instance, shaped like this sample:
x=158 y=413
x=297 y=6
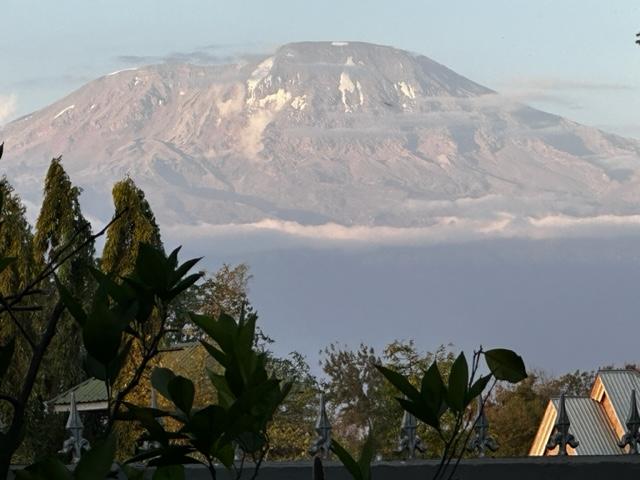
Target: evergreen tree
x=59 y=223
x=138 y=224
x=16 y=241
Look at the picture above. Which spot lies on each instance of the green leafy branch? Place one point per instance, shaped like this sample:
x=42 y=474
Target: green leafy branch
x=434 y=397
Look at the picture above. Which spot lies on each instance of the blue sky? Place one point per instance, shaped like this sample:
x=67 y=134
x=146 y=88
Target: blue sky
x=572 y=57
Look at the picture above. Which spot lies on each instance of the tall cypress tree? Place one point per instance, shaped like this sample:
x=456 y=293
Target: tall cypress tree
x=138 y=224
x=16 y=241
x=59 y=223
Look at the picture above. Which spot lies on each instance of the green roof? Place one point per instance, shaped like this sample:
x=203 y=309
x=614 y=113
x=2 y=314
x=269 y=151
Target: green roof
x=618 y=384
x=590 y=426
x=91 y=391
x=187 y=360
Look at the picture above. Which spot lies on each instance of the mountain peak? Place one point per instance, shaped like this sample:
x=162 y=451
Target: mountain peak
x=345 y=132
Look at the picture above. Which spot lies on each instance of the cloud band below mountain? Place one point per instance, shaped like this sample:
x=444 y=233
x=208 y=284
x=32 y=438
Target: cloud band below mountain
x=271 y=234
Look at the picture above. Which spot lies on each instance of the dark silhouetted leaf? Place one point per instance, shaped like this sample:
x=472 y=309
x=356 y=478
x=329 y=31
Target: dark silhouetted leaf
x=97 y=462
x=160 y=379
x=182 y=391
x=400 y=382
x=506 y=365
x=458 y=384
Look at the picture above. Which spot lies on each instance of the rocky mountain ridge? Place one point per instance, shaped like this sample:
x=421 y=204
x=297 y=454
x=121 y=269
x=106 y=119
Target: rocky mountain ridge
x=322 y=132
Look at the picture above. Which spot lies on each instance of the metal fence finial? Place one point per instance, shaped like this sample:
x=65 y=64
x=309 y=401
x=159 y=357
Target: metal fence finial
x=148 y=445
x=561 y=436
x=631 y=438
x=481 y=440
x=409 y=441
x=322 y=444
x=75 y=444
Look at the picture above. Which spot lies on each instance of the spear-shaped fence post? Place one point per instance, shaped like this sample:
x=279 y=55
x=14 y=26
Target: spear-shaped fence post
x=409 y=441
x=631 y=438
x=322 y=445
x=76 y=443
x=561 y=436
x=481 y=441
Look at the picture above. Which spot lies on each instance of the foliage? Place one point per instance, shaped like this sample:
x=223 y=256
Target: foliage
x=515 y=411
x=138 y=226
x=359 y=469
x=359 y=397
x=289 y=433
x=434 y=397
x=37 y=341
x=120 y=314
x=248 y=398
x=59 y=222
x=119 y=255
x=95 y=464
x=16 y=243
x=226 y=291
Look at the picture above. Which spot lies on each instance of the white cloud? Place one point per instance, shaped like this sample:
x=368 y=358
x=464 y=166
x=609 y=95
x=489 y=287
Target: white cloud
x=558 y=91
x=8 y=107
x=274 y=234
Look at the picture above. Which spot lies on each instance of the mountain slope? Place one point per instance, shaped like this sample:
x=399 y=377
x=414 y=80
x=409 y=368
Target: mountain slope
x=352 y=133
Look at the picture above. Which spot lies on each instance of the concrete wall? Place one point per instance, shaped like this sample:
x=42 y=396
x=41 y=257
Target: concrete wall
x=530 y=468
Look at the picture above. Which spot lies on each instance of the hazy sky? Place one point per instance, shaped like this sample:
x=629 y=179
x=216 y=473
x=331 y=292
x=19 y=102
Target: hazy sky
x=572 y=57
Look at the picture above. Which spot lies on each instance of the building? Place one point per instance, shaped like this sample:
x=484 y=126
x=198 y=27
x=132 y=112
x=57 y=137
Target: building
x=187 y=360
x=597 y=421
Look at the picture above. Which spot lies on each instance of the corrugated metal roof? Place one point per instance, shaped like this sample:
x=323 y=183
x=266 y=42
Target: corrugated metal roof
x=618 y=385
x=186 y=359
x=89 y=391
x=589 y=425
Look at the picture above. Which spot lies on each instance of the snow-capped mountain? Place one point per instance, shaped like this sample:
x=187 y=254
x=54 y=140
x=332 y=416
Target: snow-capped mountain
x=342 y=132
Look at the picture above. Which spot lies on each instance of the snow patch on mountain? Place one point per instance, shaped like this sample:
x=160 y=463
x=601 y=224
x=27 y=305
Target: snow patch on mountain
x=63 y=111
x=357 y=136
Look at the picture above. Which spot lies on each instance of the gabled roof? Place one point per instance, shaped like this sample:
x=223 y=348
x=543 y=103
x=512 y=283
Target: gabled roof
x=618 y=385
x=589 y=425
x=188 y=360
x=90 y=395
x=597 y=421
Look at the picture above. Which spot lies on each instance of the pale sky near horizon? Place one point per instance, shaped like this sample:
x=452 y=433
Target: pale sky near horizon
x=576 y=58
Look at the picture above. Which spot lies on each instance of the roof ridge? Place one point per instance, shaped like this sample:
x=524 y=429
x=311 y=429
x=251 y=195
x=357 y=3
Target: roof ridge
x=619 y=370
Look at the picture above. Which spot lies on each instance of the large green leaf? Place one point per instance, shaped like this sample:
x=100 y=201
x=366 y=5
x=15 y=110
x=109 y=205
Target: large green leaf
x=182 y=270
x=478 y=387
x=160 y=378
x=506 y=365
x=74 y=307
x=400 y=382
x=347 y=460
x=432 y=389
x=115 y=365
x=458 y=384
x=182 y=392
x=97 y=462
x=151 y=266
x=94 y=368
x=172 y=259
x=102 y=334
x=366 y=457
x=182 y=285
x=6 y=354
x=422 y=411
